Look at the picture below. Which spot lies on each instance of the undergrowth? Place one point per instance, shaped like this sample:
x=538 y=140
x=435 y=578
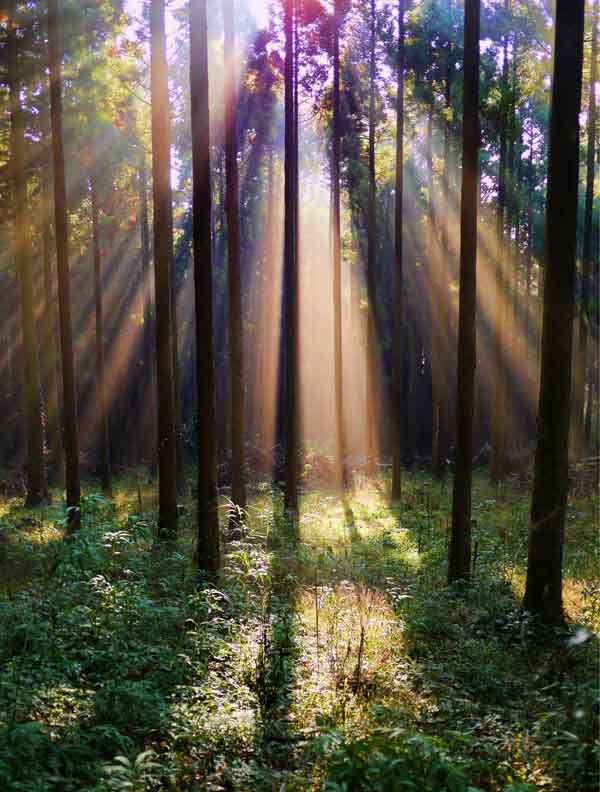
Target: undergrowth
x=328 y=655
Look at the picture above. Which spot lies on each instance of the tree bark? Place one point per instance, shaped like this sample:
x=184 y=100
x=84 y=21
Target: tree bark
x=340 y=430
x=49 y=353
x=436 y=320
x=177 y=403
x=149 y=357
x=71 y=438
x=498 y=455
x=397 y=361
x=581 y=360
x=291 y=422
x=34 y=429
x=163 y=249
x=105 y=466
x=208 y=517
x=372 y=356
x=236 y=342
x=543 y=591
x=459 y=562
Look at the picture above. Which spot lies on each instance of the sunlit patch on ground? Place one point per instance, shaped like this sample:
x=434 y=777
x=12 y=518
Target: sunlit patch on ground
x=350 y=640
x=343 y=627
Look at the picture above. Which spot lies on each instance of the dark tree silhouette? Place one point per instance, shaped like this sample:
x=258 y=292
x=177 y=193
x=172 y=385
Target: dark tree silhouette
x=459 y=562
x=581 y=361
x=208 y=518
x=371 y=347
x=36 y=478
x=543 y=590
x=499 y=387
x=71 y=438
x=236 y=341
x=49 y=357
x=149 y=358
x=290 y=273
x=340 y=432
x=398 y=271
x=161 y=177
x=105 y=466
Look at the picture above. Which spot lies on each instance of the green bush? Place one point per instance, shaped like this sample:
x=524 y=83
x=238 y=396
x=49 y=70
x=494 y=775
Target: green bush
x=390 y=761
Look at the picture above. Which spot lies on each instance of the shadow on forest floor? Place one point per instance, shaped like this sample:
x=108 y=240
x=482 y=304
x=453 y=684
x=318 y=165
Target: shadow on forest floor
x=333 y=638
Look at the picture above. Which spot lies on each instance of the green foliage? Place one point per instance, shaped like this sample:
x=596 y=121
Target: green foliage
x=329 y=654
x=386 y=761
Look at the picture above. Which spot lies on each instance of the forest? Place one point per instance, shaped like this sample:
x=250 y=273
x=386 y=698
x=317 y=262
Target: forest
x=300 y=386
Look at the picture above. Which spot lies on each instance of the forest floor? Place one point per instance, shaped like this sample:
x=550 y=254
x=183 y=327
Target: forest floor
x=327 y=656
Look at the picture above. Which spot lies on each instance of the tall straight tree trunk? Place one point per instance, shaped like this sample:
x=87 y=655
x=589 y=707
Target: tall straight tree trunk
x=436 y=326
x=591 y=415
x=177 y=403
x=543 y=590
x=36 y=478
x=340 y=431
x=446 y=265
x=411 y=390
x=149 y=357
x=105 y=467
x=71 y=438
x=498 y=455
x=208 y=518
x=236 y=341
x=163 y=248
x=290 y=264
x=372 y=357
x=49 y=353
x=459 y=561
x=511 y=248
x=531 y=329
x=581 y=360
x=397 y=361
x=265 y=373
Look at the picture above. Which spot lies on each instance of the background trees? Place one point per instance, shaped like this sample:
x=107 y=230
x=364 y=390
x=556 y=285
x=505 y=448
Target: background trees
x=350 y=108
x=354 y=236
x=36 y=479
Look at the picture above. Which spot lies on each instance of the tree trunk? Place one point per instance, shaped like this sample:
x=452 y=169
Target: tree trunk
x=436 y=321
x=34 y=428
x=340 y=431
x=498 y=456
x=459 y=562
x=543 y=591
x=162 y=274
x=372 y=357
x=413 y=367
x=177 y=403
x=208 y=517
x=236 y=342
x=71 y=439
x=510 y=356
x=397 y=361
x=291 y=422
x=105 y=467
x=445 y=314
x=581 y=360
x=266 y=367
x=149 y=358
x=530 y=325
x=49 y=354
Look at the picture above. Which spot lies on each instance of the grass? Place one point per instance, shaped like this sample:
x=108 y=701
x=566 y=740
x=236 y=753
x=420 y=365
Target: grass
x=328 y=656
